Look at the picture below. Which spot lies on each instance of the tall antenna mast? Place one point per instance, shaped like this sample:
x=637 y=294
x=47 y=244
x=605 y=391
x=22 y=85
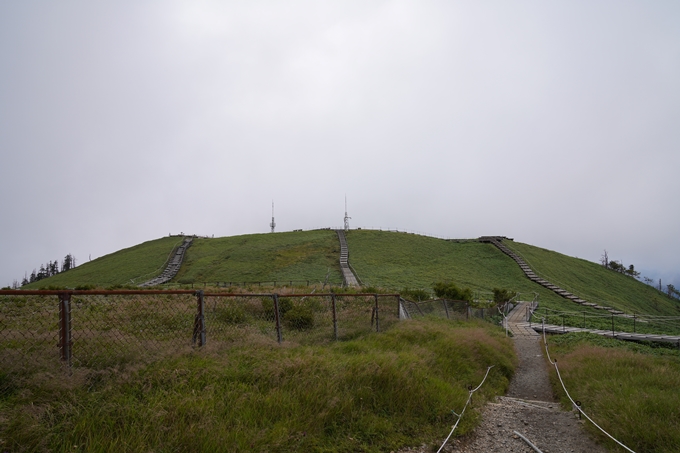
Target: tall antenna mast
x=273 y=224
x=346 y=217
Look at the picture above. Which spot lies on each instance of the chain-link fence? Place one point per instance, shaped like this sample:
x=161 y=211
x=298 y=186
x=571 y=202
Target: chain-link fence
x=43 y=331
x=450 y=309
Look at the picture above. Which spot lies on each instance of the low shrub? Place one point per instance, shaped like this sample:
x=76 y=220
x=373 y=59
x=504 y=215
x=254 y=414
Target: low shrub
x=299 y=318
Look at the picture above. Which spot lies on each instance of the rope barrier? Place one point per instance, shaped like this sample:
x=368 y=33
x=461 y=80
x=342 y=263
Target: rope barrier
x=577 y=406
x=528 y=442
x=464 y=407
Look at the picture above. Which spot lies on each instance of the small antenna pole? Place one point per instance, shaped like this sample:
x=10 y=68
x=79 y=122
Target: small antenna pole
x=346 y=216
x=273 y=224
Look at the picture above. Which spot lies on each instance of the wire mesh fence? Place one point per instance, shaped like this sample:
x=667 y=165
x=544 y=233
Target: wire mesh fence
x=44 y=331
x=450 y=309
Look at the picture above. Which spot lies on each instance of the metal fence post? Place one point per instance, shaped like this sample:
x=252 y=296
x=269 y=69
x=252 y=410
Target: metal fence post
x=65 y=343
x=446 y=308
x=613 y=334
x=377 y=318
x=335 y=317
x=199 y=320
x=633 y=322
x=279 y=335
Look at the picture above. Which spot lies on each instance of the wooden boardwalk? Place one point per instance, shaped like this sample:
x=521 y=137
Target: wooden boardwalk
x=517 y=321
x=497 y=241
x=347 y=275
x=173 y=266
x=553 y=329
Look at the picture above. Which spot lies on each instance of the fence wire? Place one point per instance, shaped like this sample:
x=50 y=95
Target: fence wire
x=450 y=309
x=48 y=331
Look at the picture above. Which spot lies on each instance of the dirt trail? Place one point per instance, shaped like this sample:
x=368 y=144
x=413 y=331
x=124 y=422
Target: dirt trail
x=529 y=408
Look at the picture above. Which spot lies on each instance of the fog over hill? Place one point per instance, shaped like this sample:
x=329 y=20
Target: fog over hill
x=553 y=123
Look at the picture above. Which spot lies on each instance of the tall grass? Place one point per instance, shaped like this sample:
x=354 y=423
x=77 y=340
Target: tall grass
x=631 y=390
x=375 y=393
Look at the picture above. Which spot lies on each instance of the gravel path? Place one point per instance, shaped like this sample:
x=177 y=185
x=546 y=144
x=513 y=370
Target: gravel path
x=529 y=408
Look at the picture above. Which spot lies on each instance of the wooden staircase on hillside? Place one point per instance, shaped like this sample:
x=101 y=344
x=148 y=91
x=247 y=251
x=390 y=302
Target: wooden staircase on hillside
x=497 y=241
x=347 y=275
x=173 y=266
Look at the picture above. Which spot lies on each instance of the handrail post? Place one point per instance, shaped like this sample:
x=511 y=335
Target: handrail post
x=65 y=341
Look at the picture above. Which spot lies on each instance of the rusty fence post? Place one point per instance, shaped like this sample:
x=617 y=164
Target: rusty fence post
x=65 y=342
x=377 y=319
x=335 y=317
x=199 y=320
x=277 y=315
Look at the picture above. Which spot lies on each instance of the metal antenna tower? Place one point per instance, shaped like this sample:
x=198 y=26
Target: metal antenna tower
x=346 y=217
x=273 y=224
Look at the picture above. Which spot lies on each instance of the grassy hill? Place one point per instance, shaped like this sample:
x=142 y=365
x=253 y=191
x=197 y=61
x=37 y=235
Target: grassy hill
x=397 y=260
x=118 y=268
x=306 y=255
x=594 y=283
x=382 y=259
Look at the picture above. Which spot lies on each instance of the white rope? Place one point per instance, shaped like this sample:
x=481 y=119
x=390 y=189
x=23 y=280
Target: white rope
x=528 y=442
x=572 y=400
x=464 y=407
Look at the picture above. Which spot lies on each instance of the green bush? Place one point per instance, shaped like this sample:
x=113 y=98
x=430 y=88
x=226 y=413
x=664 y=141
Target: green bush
x=449 y=291
x=415 y=294
x=299 y=318
x=501 y=296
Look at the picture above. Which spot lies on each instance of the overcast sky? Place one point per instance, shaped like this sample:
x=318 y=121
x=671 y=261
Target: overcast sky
x=556 y=123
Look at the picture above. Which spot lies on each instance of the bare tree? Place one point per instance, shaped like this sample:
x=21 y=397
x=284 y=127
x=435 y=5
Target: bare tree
x=605 y=260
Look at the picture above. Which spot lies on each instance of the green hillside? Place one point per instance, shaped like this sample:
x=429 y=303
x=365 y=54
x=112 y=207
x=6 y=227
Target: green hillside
x=594 y=283
x=381 y=259
x=308 y=255
x=118 y=268
x=397 y=260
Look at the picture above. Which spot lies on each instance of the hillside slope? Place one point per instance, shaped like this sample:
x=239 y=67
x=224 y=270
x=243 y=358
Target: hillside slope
x=298 y=255
x=594 y=283
x=397 y=260
x=382 y=259
x=116 y=268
